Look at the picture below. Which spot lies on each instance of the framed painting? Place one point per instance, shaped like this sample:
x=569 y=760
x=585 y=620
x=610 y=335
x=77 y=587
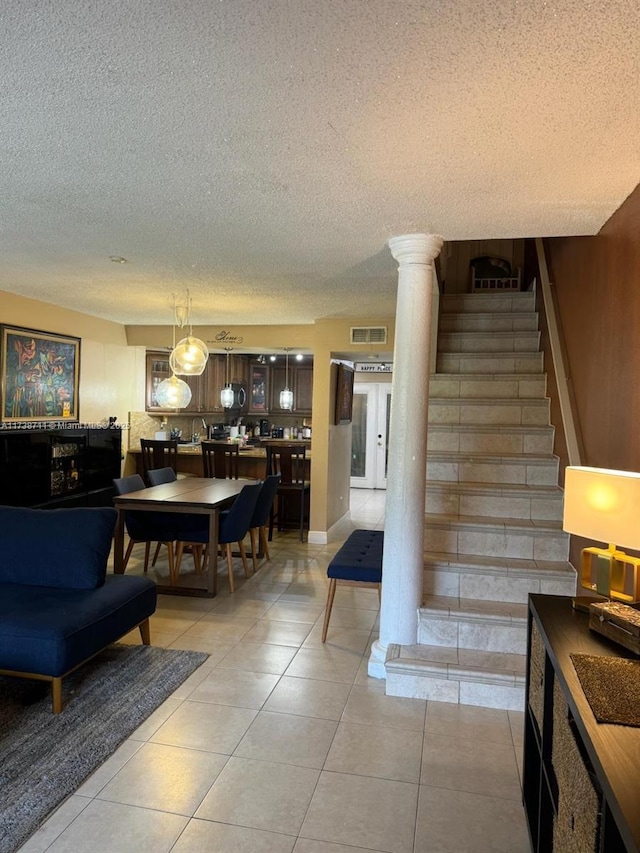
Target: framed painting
x=344 y=394
x=40 y=376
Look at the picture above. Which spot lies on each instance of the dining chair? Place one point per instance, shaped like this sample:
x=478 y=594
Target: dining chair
x=184 y=524
x=146 y=527
x=220 y=459
x=260 y=518
x=288 y=460
x=158 y=453
x=233 y=526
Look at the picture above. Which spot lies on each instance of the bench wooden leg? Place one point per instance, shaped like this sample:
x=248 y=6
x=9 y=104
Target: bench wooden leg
x=56 y=695
x=327 y=614
x=145 y=632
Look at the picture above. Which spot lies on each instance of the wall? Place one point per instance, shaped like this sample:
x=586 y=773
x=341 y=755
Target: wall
x=109 y=369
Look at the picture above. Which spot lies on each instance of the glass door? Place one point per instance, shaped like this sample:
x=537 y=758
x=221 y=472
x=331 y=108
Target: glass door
x=370 y=435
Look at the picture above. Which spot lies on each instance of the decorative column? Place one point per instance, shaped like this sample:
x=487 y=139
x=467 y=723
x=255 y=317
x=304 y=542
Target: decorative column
x=402 y=562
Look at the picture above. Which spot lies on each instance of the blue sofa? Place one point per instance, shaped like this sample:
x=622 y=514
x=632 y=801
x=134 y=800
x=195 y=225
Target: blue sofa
x=58 y=606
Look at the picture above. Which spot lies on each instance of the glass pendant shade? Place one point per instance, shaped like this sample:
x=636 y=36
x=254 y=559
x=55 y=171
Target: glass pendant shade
x=189 y=357
x=286 y=399
x=226 y=397
x=173 y=393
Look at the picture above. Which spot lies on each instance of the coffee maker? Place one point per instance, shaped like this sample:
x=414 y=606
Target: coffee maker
x=264 y=428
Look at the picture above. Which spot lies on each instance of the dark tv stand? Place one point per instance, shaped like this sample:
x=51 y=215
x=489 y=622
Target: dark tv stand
x=581 y=778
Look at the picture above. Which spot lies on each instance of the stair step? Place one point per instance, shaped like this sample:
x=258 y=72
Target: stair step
x=477 y=322
x=471 y=438
x=491 y=342
x=462 y=676
x=495 y=578
x=497 y=500
x=467 y=410
x=494 y=386
x=517 y=469
x=493 y=626
x=489 y=362
x=496 y=537
x=487 y=303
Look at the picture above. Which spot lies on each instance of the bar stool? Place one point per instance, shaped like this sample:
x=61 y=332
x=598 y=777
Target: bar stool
x=220 y=459
x=288 y=460
x=158 y=454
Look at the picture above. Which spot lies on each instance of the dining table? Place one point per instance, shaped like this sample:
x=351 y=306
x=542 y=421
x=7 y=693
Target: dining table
x=193 y=495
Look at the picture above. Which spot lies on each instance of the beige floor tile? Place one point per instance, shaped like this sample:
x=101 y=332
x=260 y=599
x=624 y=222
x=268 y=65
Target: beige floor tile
x=260 y=795
x=469 y=765
x=259 y=657
x=166 y=778
x=308 y=698
x=199 y=725
x=368 y=705
x=159 y=716
x=189 y=685
x=376 y=751
x=455 y=821
x=235 y=687
x=105 y=827
x=221 y=627
x=278 y=633
x=44 y=837
x=214 y=648
x=307 y=845
x=204 y=836
x=345 y=617
x=288 y=739
x=350 y=639
x=288 y=611
x=467 y=721
x=105 y=772
x=325 y=664
x=242 y=607
x=376 y=814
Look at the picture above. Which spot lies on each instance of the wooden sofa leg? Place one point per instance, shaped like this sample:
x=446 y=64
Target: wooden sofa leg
x=327 y=614
x=56 y=694
x=145 y=632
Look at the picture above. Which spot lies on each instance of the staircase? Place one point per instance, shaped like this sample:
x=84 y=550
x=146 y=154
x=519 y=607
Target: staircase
x=493 y=524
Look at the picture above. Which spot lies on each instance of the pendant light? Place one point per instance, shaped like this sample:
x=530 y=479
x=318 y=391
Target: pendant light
x=189 y=356
x=226 y=395
x=286 y=396
x=173 y=393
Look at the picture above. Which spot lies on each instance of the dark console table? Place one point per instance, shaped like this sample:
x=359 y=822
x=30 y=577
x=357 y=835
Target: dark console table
x=63 y=467
x=581 y=779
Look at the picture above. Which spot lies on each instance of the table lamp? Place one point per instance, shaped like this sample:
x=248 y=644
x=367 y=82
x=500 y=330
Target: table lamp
x=604 y=505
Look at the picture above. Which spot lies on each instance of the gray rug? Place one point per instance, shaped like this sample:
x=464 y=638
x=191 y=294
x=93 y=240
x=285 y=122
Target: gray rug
x=44 y=757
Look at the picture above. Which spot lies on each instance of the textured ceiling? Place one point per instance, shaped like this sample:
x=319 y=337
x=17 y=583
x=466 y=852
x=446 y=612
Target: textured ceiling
x=262 y=152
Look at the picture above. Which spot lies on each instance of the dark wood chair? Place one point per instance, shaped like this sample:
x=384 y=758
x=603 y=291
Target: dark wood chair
x=220 y=459
x=158 y=454
x=289 y=460
x=260 y=519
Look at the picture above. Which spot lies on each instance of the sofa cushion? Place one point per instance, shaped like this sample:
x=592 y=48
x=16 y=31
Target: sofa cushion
x=49 y=631
x=64 y=548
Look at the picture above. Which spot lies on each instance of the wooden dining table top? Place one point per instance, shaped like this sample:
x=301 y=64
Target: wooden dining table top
x=201 y=492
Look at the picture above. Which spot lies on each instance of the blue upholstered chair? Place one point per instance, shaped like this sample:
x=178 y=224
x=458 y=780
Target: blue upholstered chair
x=146 y=527
x=260 y=518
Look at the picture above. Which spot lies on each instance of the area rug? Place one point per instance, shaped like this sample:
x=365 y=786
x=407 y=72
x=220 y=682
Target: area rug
x=44 y=757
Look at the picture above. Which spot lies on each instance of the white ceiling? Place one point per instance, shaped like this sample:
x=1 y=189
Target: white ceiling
x=262 y=152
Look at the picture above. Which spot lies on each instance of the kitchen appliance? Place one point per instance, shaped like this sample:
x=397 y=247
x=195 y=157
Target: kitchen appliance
x=239 y=397
x=218 y=432
x=264 y=428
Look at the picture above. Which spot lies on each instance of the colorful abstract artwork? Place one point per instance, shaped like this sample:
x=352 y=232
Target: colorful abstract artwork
x=40 y=376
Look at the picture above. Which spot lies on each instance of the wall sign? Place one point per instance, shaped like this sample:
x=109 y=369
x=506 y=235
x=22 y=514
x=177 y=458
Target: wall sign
x=378 y=367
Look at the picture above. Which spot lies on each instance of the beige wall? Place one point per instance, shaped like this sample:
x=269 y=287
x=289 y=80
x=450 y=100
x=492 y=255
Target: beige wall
x=109 y=369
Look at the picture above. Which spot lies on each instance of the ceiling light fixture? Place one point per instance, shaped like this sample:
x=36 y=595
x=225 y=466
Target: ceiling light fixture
x=286 y=396
x=189 y=356
x=226 y=395
x=173 y=393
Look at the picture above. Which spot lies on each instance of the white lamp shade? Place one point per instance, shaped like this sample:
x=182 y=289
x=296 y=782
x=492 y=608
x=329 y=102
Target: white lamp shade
x=173 y=393
x=189 y=357
x=286 y=399
x=226 y=397
x=603 y=505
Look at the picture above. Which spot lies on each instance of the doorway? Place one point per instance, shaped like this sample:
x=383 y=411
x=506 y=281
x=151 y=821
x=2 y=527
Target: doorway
x=369 y=435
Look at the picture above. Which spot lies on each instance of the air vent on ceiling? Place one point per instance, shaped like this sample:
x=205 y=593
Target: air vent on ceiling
x=368 y=334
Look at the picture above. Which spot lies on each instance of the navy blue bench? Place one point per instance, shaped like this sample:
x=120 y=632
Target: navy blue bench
x=359 y=561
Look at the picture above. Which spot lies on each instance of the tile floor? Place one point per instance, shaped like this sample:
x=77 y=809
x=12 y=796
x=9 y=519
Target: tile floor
x=278 y=744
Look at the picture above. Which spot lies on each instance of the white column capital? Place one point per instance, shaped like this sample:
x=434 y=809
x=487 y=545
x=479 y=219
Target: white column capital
x=415 y=248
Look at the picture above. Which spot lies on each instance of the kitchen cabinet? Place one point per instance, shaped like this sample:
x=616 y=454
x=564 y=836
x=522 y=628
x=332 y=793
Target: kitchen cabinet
x=258 y=389
x=205 y=389
x=581 y=782
x=300 y=382
x=157 y=370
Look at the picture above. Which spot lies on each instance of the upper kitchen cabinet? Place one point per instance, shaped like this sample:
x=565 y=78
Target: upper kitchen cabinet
x=157 y=370
x=300 y=382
